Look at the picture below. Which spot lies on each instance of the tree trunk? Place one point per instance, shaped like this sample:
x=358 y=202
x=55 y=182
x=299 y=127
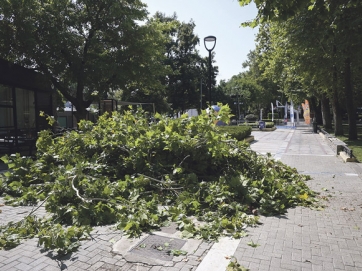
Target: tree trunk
x=316 y=109
x=351 y=109
x=337 y=112
x=326 y=113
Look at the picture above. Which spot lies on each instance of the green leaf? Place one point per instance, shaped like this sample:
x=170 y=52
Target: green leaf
x=252 y=244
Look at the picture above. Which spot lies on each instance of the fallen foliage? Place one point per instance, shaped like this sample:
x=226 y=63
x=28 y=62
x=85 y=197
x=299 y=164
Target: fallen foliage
x=141 y=176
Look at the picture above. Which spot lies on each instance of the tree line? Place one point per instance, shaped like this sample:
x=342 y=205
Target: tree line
x=91 y=50
x=309 y=50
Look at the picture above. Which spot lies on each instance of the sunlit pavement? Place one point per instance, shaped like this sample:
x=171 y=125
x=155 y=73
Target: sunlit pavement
x=305 y=239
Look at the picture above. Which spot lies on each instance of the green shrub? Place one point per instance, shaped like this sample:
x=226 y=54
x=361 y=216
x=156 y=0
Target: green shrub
x=270 y=115
x=269 y=124
x=251 y=117
x=250 y=124
x=238 y=132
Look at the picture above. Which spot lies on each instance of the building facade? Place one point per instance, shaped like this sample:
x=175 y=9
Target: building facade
x=23 y=95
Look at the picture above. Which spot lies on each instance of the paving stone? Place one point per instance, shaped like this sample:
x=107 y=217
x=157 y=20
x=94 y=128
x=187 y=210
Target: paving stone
x=155 y=268
x=39 y=267
x=188 y=268
x=23 y=266
x=308 y=239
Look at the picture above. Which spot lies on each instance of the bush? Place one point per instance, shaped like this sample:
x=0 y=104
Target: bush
x=269 y=124
x=251 y=117
x=250 y=124
x=238 y=132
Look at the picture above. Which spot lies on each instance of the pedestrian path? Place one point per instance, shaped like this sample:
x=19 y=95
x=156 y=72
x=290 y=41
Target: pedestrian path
x=302 y=239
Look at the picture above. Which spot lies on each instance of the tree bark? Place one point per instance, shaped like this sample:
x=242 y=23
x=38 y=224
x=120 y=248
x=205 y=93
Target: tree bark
x=316 y=110
x=351 y=109
x=326 y=113
x=337 y=112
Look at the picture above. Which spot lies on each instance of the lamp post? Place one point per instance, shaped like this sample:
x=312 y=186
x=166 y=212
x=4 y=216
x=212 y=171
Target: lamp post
x=210 y=42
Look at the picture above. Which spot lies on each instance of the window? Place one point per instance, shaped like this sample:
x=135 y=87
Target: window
x=6 y=107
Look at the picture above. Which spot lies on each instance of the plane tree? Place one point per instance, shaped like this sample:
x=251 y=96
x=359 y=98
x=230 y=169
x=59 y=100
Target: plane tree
x=85 y=48
x=187 y=70
x=319 y=41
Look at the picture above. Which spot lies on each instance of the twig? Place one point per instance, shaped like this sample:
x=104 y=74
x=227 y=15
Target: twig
x=77 y=191
x=86 y=199
x=187 y=156
x=34 y=210
x=153 y=179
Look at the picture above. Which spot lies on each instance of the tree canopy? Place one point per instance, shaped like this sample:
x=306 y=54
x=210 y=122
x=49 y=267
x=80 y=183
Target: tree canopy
x=313 y=47
x=86 y=48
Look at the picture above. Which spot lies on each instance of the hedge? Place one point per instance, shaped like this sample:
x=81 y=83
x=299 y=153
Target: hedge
x=238 y=132
x=268 y=124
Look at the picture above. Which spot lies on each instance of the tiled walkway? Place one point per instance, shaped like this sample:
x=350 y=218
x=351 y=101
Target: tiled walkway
x=306 y=239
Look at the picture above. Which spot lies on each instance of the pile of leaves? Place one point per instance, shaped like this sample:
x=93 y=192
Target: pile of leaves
x=140 y=176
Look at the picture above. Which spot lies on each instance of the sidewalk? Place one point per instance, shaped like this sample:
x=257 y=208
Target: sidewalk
x=305 y=239
x=302 y=239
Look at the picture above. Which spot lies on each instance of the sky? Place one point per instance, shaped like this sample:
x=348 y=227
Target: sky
x=219 y=18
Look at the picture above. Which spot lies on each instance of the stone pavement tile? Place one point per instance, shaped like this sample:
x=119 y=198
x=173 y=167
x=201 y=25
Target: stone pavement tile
x=297 y=256
x=123 y=268
x=264 y=267
x=254 y=266
x=187 y=268
x=356 y=258
x=82 y=258
x=26 y=260
x=23 y=267
x=290 y=267
x=358 y=264
x=94 y=258
x=51 y=268
x=10 y=266
x=179 y=265
x=315 y=268
x=95 y=266
x=142 y=267
x=109 y=260
x=347 y=260
x=39 y=267
x=79 y=265
x=10 y=257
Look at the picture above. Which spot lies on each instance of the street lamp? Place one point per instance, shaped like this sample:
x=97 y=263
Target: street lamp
x=210 y=42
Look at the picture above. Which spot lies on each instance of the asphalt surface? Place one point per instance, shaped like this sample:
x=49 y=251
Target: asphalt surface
x=329 y=238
